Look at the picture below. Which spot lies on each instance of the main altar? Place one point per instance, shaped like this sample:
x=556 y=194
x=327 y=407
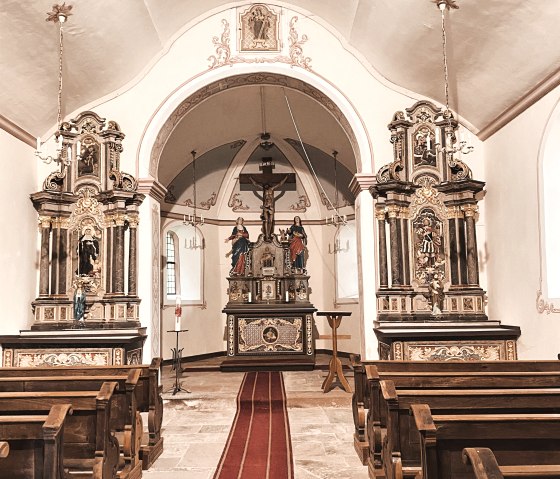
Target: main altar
x=269 y=315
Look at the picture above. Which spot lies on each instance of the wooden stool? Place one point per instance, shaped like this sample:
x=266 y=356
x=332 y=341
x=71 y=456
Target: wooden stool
x=335 y=366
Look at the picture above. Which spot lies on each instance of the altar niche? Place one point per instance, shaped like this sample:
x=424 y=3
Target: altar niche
x=269 y=315
x=430 y=303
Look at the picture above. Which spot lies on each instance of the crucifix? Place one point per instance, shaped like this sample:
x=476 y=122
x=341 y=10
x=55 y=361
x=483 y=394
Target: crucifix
x=269 y=182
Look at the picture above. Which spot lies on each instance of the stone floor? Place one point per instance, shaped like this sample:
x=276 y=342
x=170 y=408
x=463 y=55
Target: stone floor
x=196 y=424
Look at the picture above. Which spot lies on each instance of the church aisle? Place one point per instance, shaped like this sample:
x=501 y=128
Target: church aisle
x=196 y=425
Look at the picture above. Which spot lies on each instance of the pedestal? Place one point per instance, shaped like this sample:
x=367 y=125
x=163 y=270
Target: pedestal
x=444 y=341
x=335 y=365
x=73 y=347
x=269 y=337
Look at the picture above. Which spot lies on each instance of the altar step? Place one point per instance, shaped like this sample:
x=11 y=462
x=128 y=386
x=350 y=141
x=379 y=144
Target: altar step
x=268 y=363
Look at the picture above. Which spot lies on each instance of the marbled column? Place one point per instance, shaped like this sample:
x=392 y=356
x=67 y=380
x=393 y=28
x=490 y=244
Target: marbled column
x=383 y=272
x=472 y=251
x=453 y=254
x=55 y=256
x=109 y=257
x=406 y=255
x=118 y=256
x=62 y=260
x=395 y=246
x=44 y=261
x=462 y=250
x=132 y=272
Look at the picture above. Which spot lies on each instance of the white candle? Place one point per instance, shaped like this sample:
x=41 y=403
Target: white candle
x=428 y=142
x=437 y=136
x=287 y=296
x=177 y=323
x=178 y=300
x=38 y=143
x=249 y=298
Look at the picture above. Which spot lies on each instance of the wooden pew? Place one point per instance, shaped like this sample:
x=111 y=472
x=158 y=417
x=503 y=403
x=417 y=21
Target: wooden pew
x=361 y=397
x=37 y=446
x=4 y=449
x=126 y=421
x=517 y=441
x=89 y=445
x=401 y=449
x=376 y=417
x=148 y=395
x=485 y=466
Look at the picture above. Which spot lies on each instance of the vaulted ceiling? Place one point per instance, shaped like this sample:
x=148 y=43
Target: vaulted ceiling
x=499 y=51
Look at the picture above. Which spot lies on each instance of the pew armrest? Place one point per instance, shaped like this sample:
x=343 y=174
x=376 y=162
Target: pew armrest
x=423 y=418
x=4 y=449
x=483 y=462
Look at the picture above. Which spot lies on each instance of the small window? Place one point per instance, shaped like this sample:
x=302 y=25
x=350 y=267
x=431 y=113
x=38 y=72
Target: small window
x=171 y=254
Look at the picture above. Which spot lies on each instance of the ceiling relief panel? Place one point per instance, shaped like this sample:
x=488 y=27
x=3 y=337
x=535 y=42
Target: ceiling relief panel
x=259 y=29
x=293 y=198
x=328 y=173
x=209 y=173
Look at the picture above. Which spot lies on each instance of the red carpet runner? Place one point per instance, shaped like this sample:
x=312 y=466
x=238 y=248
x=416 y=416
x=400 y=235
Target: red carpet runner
x=259 y=446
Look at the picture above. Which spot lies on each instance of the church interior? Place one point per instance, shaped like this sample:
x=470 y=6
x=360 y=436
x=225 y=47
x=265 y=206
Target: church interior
x=288 y=226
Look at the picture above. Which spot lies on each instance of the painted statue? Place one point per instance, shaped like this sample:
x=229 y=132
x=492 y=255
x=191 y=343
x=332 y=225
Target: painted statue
x=239 y=247
x=298 y=240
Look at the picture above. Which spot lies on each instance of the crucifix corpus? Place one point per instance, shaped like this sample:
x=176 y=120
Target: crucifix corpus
x=269 y=182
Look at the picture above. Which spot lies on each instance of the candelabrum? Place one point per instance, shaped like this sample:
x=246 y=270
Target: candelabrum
x=336 y=220
x=337 y=248
x=452 y=149
x=61 y=156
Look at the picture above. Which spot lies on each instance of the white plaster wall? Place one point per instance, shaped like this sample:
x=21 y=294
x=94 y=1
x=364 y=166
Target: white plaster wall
x=19 y=247
x=512 y=230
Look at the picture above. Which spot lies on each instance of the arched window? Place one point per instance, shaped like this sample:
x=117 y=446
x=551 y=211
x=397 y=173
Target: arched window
x=172 y=267
x=549 y=230
x=346 y=264
x=185 y=264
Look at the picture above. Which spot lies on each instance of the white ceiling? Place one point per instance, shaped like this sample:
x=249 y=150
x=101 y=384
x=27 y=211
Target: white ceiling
x=498 y=50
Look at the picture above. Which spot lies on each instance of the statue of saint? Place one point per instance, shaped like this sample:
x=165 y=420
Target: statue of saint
x=239 y=247
x=298 y=240
x=79 y=303
x=88 y=251
x=435 y=289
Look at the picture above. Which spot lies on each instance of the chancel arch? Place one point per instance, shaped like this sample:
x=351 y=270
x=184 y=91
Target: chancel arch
x=246 y=119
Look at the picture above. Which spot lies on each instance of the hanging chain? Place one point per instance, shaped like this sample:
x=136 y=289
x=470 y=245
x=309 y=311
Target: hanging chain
x=193 y=153
x=263 y=113
x=445 y=72
x=60 y=52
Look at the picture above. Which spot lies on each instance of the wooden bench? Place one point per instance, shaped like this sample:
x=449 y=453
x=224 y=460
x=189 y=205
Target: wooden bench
x=517 y=441
x=89 y=446
x=401 y=448
x=148 y=396
x=376 y=416
x=126 y=421
x=361 y=397
x=37 y=446
x=485 y=466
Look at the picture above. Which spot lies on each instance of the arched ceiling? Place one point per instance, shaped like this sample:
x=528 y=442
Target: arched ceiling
x=498 y=50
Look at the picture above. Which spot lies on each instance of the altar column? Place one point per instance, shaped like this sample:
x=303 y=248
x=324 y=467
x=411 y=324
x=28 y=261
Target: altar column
x=395 y=246
x=44 y=261
x=133 y=228
x=472 y=251
x=118 y=255
x=383 y=272
x=62 y=257
x=55 y=256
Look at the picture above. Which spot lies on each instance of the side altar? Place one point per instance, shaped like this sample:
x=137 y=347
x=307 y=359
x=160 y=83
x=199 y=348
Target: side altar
x=269 y=315
x=430 y=304
x=87 y=308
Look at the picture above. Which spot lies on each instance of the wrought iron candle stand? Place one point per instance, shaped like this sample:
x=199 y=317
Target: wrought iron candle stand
x=176 y=366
